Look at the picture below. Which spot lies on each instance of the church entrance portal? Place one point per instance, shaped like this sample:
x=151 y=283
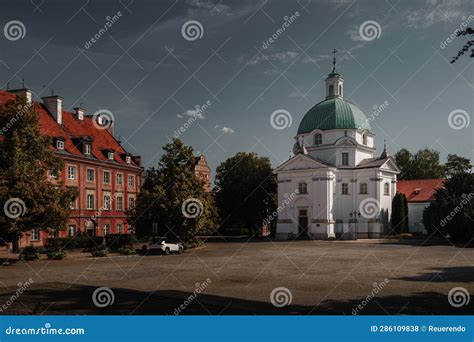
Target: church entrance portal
x=303 y=223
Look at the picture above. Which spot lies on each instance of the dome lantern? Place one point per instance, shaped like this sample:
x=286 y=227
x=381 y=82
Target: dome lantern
x=334 y=81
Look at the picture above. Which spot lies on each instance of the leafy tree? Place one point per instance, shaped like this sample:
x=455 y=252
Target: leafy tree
x=245 y=191
x=172 y=201
x=452 y=212
x=467 y=46
x=403 y=158
x=399 y=215
x=457 y=164
x=28 y=199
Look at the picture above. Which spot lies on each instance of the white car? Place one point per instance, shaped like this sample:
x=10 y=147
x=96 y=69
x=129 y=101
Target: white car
x=162 y=247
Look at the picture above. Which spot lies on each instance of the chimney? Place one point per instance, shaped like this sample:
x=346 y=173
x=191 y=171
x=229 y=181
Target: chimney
x=24 y=92
x=54 y=105
x=79 y=113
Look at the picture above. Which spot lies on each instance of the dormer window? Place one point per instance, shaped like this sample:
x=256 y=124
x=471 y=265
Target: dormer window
x=128 y=159
x=318 y=139
x=87 y=149
x=60 y=144
x=364 y=139
x=110 y=155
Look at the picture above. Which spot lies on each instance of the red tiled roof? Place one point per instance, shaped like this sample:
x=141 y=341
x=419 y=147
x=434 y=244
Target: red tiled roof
x=419 y=190
x=72 y=127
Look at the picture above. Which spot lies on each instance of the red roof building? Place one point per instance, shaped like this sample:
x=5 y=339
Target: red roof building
x=419 y=190
x=106 y=176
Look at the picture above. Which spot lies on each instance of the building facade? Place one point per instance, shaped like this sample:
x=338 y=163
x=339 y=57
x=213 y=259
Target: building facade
x=334 y=186
x=106 y=176
x=202 y=171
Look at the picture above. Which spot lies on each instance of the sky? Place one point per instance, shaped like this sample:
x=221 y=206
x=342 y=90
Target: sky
x=210 y=72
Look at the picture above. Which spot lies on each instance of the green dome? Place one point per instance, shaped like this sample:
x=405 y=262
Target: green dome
x=331 y=114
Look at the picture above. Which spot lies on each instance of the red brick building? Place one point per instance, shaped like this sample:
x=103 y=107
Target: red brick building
x=202 y=171
x=106 y=176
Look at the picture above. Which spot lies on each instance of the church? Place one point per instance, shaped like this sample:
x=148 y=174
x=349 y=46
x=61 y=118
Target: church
x=334 y=186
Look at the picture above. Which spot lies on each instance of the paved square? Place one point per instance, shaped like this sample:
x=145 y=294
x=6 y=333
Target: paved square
x=322 y=277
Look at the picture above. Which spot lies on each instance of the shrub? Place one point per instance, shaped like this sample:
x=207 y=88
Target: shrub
x=29 y=253
x=60 y=255
x=118 y=241
x=75 y=242
x=99 y=251
x=126 y=251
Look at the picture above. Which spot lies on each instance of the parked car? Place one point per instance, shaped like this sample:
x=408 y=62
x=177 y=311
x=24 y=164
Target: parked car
x=163 y=247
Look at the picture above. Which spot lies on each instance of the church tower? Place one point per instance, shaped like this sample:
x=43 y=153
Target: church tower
x=334 y=81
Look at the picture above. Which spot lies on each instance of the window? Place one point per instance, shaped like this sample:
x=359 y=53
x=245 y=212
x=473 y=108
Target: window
x=119 y=228
x=131 y=181
x=119 y=203
x=331 y=90
x=131 y=202
x=106 y=177
x=106 y=229
x=53 y=174
x=303 y=212
x=386 y=189
x=119 y=179
x=90 y=201
x=302 y=188
x=345 y=158
x=73 y=205
x=60 y=144
x=128 y=159
x=87 y=149
x=318 y=139
x=345 y=189
x=71 y=230
x=107 y=202
x=71 y=172
x=364 y=139
x=363 y=188
x=110 y=155
x=90 y=175
x=340 y=90
x=35 y=234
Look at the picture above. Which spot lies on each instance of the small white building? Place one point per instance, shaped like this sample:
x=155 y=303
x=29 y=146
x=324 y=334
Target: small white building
x=333 y=186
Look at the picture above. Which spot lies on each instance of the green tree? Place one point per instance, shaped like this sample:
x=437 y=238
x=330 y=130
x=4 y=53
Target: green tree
x=399 y=213
x=28 y=199
x=452 y=212
x=245 y=191
x=457 y=164
x=403 y=158
x=172 y=201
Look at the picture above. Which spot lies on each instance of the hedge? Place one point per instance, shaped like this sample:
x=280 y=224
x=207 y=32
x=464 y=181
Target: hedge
x=77 y=242
x=118 y=241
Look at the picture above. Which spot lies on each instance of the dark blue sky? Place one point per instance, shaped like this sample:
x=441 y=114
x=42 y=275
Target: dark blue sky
x=151 y=78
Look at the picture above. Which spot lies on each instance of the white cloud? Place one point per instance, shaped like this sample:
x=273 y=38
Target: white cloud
x=196 y=112
x=227 y=130
x=280 y=57
x=435 y=11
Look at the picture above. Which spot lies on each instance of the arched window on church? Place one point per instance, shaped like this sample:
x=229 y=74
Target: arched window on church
x=302 y=188
x=386 y=189
x=318 y=139
x=340 y=90
x=364 y=138
x=363 y=188
x=331 y=90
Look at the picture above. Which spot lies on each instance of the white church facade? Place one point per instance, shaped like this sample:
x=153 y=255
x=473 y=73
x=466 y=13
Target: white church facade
x=334 y=186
